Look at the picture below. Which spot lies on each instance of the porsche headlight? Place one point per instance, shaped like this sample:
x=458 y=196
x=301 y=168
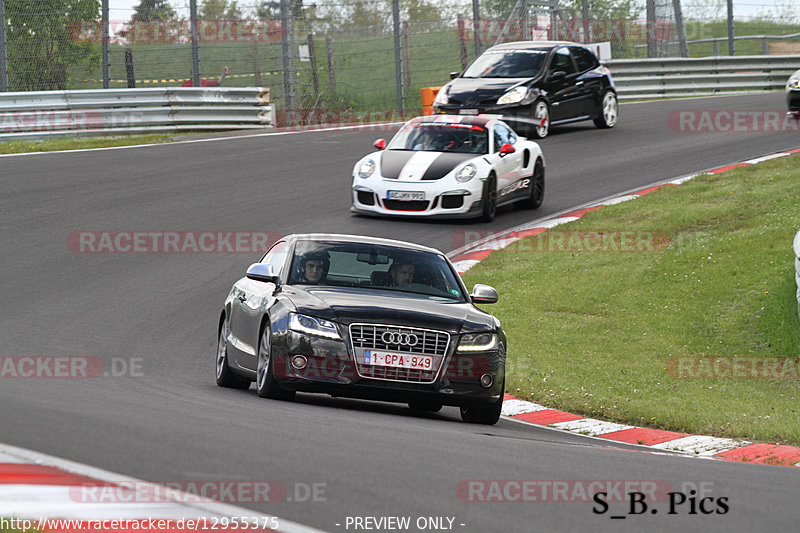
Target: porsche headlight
x=794 y=81
x=366 y=169
x=477 y=342
x=441 y=97
x=514 y=96
x=466 y=173
x=313 y=326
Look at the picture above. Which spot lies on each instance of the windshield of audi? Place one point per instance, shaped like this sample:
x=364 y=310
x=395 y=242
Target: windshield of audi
x=369 y=266
x=507 y=64
x=440 y=137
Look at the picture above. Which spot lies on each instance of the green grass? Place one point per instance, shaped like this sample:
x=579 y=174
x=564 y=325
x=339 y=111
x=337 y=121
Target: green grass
x=72 y=143
x=594 y=333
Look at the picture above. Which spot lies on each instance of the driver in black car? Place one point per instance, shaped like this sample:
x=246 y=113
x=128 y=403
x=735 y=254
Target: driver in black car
x=401 y=272
x=312 y=268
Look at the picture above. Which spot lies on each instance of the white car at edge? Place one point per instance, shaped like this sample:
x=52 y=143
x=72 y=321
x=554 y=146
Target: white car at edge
x=449 y=166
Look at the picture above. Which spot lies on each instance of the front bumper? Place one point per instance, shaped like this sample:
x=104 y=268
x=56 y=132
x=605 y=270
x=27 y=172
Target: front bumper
x=331 y=368
x=793 y=100
x=444 y=198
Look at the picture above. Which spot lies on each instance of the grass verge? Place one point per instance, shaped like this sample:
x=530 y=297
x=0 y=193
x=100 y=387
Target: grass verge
x=74 y=143
x=598 y=332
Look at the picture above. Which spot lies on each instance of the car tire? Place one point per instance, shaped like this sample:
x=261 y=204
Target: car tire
x=489 y=199
x=484 y=415
x=266 y=384
x=541 y=117
x=224 y=375
x=536 y=195
x=425 y=405
x=609 y=111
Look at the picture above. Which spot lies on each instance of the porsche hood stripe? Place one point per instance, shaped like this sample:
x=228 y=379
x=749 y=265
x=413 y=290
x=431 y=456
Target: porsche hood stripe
x=444 y=164
x=415 y=166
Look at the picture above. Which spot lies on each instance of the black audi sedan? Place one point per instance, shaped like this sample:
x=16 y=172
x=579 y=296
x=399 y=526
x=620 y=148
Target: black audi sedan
x=533 y=85
x=363 y=317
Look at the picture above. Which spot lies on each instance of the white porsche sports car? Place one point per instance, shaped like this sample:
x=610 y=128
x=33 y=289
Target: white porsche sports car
x=453 y=166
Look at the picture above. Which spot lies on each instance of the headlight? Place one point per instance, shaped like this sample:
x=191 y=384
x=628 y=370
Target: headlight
x=477 y=342
x=515 y=95
x=366 y=169
x=466 y=173
x=794 y=82
x=441 y=97
x=313 y=326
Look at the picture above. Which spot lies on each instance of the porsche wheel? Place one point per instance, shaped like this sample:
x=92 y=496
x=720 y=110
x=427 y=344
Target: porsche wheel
x=536 y=197
x=266 y=384
x=225 y=376
x=609 y=111
x=489 y=199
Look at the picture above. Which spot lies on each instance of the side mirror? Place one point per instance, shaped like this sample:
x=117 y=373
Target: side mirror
x=380 y=144
x=483 y=294
x=454 y=75
x=262 y=272
x=507 y=149
x=557 y=76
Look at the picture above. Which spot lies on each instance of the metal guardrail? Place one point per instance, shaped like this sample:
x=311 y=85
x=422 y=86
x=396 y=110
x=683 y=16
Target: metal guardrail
x=669 y=77
x=29 y=115
x=716 y=40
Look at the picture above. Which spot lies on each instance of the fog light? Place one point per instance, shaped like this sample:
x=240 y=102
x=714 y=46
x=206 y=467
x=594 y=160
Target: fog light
x=299 y=362
x=487 y=380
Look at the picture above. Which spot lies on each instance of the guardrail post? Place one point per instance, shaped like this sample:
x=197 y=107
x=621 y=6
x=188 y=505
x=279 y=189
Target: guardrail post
x=764 y=47
x=3 y=58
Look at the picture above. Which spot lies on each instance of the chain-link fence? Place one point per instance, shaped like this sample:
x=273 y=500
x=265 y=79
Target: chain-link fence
x=338 y=59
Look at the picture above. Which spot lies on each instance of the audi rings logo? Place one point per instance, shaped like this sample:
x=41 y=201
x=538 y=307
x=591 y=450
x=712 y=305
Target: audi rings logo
x=398 y=338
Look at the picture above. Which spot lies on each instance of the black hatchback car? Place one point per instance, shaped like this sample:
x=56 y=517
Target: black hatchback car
x=533 y=85
x=363 y=317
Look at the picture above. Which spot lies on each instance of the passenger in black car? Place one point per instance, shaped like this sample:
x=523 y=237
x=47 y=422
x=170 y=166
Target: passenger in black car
x=313 y=267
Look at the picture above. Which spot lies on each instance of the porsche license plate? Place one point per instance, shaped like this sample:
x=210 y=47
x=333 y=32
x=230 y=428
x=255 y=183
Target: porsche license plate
x=405 y=195
x=400 y=360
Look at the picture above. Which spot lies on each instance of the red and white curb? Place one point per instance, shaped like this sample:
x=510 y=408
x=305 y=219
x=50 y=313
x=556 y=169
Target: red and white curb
x=44 y=491
x=729 y=449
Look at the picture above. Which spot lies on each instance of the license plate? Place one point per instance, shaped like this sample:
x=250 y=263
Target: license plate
x=405 y=195
x=400 y=360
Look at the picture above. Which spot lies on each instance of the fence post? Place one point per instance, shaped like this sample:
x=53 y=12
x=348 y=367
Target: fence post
x=398 y=67
x=587 y=37
x=3 y=57
x=476 y=25
x=652 y=50
x=331 y=73
x=256 y=62
x=406 y=59
x=195 y=44
x=129 y=68
x=462 y=39
x=731 y=42
x=764 y=47
x=104 y=46
x=680 y=28
x=288 y=71
x=312 y=54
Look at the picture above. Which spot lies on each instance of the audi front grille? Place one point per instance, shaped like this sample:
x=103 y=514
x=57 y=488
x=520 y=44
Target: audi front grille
x=402 y=340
